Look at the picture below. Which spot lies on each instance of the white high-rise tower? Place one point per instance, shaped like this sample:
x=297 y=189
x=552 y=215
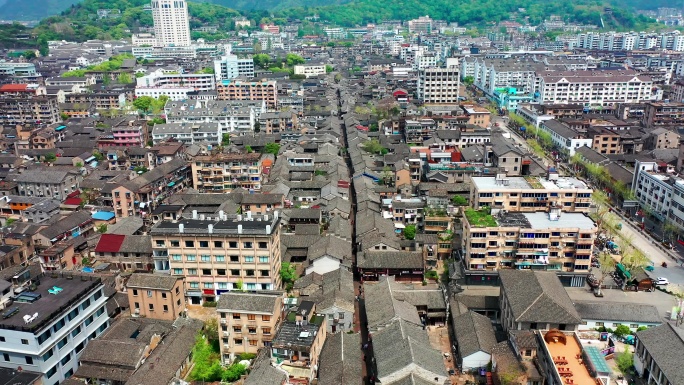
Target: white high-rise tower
x=171 y=25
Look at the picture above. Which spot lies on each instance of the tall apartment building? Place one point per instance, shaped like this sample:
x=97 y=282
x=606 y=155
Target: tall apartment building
x=594 y=88
x=530 y=194
x=266 y=90
x=46 y=329
x=175 y=86
x=231 y=67
x=663 y=114
x=29 y=110
x=227 y=252
x=231 y=115
x=553 y=241
x=628 y=41
x=275 y=122
x=439 y=85
x=224 y=172
x=248 y=321
x=654 y=189
x=171 y=22
x=422 y=24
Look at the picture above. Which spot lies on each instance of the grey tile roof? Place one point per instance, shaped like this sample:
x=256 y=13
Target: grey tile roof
x=618 y=311
x=340 y=360
x=403 y=344
x=152 y=281
x=248 y=302
x=537 y=296
x=65 y=224
x=382 y=308
x=141 y=244
x=42 y=176
x=591 y=155
x=665 y=344
x=372 y=259
x=263 y=373
x=474 y=333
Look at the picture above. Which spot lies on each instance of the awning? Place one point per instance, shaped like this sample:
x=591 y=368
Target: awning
x=523 y=263
x=171 y=184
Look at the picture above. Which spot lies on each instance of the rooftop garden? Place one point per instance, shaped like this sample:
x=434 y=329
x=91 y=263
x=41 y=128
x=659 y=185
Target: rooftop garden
x=534 y=182
x=481 y=217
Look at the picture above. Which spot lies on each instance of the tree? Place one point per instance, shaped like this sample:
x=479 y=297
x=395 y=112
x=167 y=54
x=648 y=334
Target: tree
x=239 y=285
x=262 y=60
x=669 y=231
x=410 y=232
x=509 y=375
x=143 y=103
x=373 y=146
x=64 y=116
x=607 y=267
x=211 y=330
x=293 y=59
x=50 y=157
x=625 y=361
x=621 y=331
x=102 y=228
x=288 y=274
x=387 y=176
x=459 y=200
x=124 y=78
x=257 y=126
x=98 y=156
x=29 y=54
x=329 y=68
x=272 y=148
x=468 y=80
x=248 y=148
x=225 y=140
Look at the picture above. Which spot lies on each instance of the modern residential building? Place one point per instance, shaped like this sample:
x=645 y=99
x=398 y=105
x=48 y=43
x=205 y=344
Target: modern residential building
x=231 y=115
x=439 y=85
x=655 y=189
x=224 y=172
x=421 y=25
x=663 y=114
x=276 y=122
x=225 y=253
x=30 y=110
x=298 y=343
x=654 y=359
x=535 y=300
x=18 y=70
x=530 y=194
x=565 y=137
x=171 y=22
x=156 y=296
x=613 y=314
x=46 y=329
x=235 y=89
x=231 y=66
x=174 y=85
x=248 y=321
x=537 y=240
x=604 y=88
x=187 y=133
x=309 y=69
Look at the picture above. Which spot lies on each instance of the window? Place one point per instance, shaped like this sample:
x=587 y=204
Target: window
x=192 y=271
x=218 y=243
x=247 y=245
x=220 y=258
x=175 y=243
x=263 y=259
x=341 y=315
x=233 y=245
x=47 y=355
x=76 y=331
x=266 y=331
x=236 y=315
x=66 y=359
x=263 y=245
x=89 y=320
x=206 y=258
x=190 y=258
x=204 y=244
x=249 y=259
x=51 y=372
x=220 y=271
x=6 y=357
x=194 y=285
x=166 y=308
x=163 y=295
x=176 y=257
x=533 y=325
x=80 y=347
x=528 y=352
x=252 y=342
x=251 y=330
x=206 y=271
x=73 y=314
x=100 y=311
x=237 y=329
x=235 y=258
x=160 y=243
x=135 y=292
x=59 y=325
x=189 y=243
x=238 y=341
x=61 y=343
x=151 y=307
x=24 y=342
x=149 y=293
x=177 y=271
x=251 y=317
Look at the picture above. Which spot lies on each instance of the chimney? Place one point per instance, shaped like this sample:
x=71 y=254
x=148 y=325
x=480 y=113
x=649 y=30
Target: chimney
x=275 y=214
x=201 y=217
x=239 y=217
x=249 y=215
x=194 y=214
x=268 y=229
x=181 y=227
x=221 y=213
x=239 y=229
x=210 y=229
x=266 y=218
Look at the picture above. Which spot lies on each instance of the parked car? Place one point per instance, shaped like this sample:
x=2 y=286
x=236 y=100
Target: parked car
x=662 y=281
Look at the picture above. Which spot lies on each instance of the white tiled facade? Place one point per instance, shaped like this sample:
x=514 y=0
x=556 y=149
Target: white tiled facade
x=171 y=24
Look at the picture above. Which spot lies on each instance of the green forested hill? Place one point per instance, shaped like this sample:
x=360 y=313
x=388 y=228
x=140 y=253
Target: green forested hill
x=32 y=9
